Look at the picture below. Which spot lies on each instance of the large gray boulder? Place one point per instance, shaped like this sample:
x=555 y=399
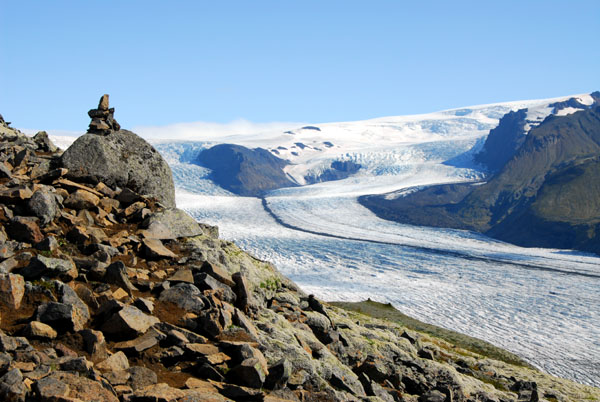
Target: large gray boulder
x=122 y=159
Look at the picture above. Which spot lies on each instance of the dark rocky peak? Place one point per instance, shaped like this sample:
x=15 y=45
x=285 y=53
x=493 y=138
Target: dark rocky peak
x=244 y=171
x=503 y=141
x=103 y=121
x=571 y=102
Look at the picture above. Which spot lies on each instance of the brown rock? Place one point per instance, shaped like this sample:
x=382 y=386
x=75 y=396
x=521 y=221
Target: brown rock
x=182 y=275
x=159 y=392
x=154 y=249
x=94 y=343
x=24 y=229
x=144 y=342
x=129 y=322
x=116 y=362
x=12 y=289
x=81 y=199
x=36 y=329
x=80 y=388
x=103 y=104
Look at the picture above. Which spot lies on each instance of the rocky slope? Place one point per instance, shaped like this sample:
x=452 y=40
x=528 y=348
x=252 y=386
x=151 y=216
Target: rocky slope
x=108 y=294
x=544 y=192
x=244 y=171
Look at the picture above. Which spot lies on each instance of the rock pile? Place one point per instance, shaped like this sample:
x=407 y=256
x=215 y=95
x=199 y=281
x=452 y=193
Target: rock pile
x=103 y=121
x=108 y=296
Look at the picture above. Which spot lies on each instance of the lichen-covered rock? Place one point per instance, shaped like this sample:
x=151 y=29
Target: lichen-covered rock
x=171 y=224
x=121 y=159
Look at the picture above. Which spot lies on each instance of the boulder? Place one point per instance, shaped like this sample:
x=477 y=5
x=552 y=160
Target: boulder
x=65 y=269
x=62 y=317
x=121 y=159
x=129 y=322
x=185 y=295
x=171 y=224
x=45 y=205
x=249 y=373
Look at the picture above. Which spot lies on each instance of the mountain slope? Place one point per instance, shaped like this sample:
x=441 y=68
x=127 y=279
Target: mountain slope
x=243 y=171
x=545 y=195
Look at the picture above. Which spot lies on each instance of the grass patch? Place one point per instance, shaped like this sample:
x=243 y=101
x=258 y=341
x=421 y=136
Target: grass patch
x=388 y=312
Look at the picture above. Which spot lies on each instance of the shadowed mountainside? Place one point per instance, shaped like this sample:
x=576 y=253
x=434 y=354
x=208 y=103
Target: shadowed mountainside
x=547 y=194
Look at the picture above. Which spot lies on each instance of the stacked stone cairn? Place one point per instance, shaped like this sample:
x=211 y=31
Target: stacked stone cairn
x=103 y=121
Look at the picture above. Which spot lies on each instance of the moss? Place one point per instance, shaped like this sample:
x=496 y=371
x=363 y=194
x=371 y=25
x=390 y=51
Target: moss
x=272 y=283
x=388 y=312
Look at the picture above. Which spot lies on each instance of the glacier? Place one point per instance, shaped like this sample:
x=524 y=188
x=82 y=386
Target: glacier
x=542 y=304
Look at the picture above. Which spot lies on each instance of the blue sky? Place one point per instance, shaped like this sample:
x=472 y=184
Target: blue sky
x=306 y=61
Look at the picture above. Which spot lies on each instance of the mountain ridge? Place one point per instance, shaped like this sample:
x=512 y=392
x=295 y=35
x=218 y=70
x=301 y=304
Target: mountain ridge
x=552 y=157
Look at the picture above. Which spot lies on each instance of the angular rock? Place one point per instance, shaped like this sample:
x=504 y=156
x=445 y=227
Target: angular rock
x=171 y=224
x=12 y=289
x=64 y=269
x=144 y=304
x=432 y=396
x=50 y=388
x=81 y=388
x=141 y=377
x=279 y=373
x=77 y=364
x=206 y=282
x=60 y=316
x=121 y=159
x=81 y=199
x=48 y=244
x=12 y=387
x=94 y=343
x=158 y=392
x=36 y=329
x=249 y=373
x=116 y=274
x=24 y=229
x=217 y=272
x=43 y=142
x=154 y=249
x=117 y=377
x=45 y=205
x=144 y=342
x=116 y=362
x=185 y=295
x=129 y=322
x=242 y=292
x=182 y=275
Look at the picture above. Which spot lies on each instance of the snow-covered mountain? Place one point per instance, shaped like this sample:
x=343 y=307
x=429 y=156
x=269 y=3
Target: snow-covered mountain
x=385 y=146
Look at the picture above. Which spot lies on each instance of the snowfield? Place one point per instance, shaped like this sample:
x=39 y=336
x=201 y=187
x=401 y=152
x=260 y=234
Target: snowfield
x=541 y=304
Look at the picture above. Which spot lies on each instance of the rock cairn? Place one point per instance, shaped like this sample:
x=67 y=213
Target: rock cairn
x=103 y=121
x=106 y=296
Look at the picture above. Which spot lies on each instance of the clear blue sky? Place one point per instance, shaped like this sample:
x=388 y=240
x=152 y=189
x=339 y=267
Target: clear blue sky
x=165 y=62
